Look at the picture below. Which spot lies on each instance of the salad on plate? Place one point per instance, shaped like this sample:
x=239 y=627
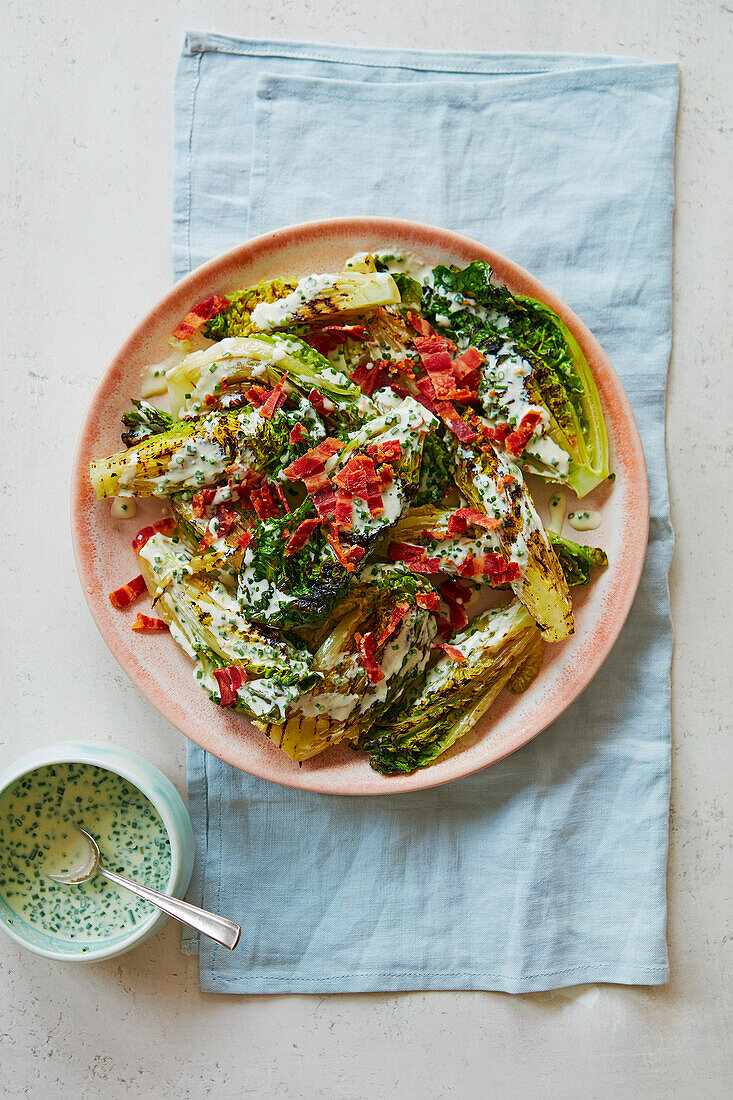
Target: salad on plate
x=350 y=551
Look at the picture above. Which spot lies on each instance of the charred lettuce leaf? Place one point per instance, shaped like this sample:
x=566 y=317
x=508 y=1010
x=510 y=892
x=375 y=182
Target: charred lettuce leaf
x=577 y=560
x=453 y=695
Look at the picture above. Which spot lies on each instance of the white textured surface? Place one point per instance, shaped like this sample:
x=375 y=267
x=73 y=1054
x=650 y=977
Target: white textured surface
x=84 y=247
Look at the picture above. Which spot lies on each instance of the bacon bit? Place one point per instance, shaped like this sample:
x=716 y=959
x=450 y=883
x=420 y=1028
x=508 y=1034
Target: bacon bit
x=262 y=502
x=419 y=324
x=322 y=405
x=257 y=395
x=148 y=624
x=499 y=570
x=204 y=311
x=414 y=557
x=325 y=501
x=313 y=459
x=225 y=520
x=370 y=377
x=365 y=644
x=343 y=510
x=401 y=391
x=347 y=558
x=300 y=536
x=505 y=481
x=395 y=619
x=453 y=652
x=229 y=679
x=201 y=501
x=456 y=595
x=434 y=352
x=353 y=477
x=280 y=494
x=244 y=541
x=467 y=365
x=456 y=423
x=274 y=402
x=517 y=440
x=329 y=337
x=386 y=477
x=162 y=527
x=388 y=451
x=297 y=434
x=458 y=521
x=470 y=566
x=128 y=593
x=428 y=601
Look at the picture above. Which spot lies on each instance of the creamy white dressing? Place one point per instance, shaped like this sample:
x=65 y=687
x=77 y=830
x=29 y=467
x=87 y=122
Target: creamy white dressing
x=585 y=521
x=332 y=704
x=557 y=506
x=505 y=383
x=546 y=451
x=269 y=315
x=122 y=508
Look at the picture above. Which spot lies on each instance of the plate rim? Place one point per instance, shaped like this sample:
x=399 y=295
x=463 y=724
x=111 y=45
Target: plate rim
x=179 y=298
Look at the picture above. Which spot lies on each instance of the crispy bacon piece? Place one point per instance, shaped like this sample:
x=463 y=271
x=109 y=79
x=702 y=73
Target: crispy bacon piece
x=466 y=366
x=201 y=502
x=196 y=316
x=229 y=679
x=347 y=557
x=312 y=460
x=453 y=652
x=456 y=423
x=148 y=625
x=360 y=479
x=388 y=451
x=419 y=324
x=370 y=377
x=499 y=570
x=517 y=440
x=428 y=600
x=365 y=644
x=322 y=405
x=297 y=434
x=396 y=618
x=331 y=336
x=245 y=541
x=275 y=401
x=458 y=521
x=225 y=520
x=162 y=527
x=262 y=502
x=343 y=510
x=300 y=536
x=128 y=593
x=456 y=595
x=386 y=477
x=414 y=557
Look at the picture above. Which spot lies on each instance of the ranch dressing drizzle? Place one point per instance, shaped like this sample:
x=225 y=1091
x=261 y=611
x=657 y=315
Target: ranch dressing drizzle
x=584 y=521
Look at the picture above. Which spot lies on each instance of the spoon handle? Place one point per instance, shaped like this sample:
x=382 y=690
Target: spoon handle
x=224 y=931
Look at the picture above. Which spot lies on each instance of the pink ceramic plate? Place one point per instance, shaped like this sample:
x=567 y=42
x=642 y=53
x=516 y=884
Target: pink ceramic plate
x=164 y=674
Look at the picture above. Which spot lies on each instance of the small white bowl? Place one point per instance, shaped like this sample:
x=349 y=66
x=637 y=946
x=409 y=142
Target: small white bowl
x=168 y=803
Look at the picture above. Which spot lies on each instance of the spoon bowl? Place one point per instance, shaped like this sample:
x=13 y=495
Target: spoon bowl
x=220 y=929
x=87 y=869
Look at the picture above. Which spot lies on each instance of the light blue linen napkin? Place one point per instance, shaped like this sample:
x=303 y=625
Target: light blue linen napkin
x=547 y=869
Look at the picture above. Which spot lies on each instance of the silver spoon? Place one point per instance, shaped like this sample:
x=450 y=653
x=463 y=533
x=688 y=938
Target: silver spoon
x=224 y=931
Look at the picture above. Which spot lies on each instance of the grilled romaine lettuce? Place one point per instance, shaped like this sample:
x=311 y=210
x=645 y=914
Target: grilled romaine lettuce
x=577 y=560
x=496 y=487
x=439 y=709
x=319 y=297
x=236 y=363
x=533 y=364
x=189 y=455
x=346 y=701
x=206 y=621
